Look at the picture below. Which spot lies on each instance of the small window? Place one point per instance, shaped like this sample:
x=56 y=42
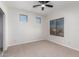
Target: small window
x=38 y=20
x=23 y=18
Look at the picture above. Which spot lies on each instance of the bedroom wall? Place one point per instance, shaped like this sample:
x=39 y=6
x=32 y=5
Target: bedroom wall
x=19 y=33
x=71 y=26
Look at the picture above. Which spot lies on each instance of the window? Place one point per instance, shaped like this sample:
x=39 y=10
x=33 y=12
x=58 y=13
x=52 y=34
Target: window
x=23 y=18
x=38 y=20
x=57 y=27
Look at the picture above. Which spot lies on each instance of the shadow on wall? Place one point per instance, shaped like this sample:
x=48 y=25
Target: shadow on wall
x=1 y=29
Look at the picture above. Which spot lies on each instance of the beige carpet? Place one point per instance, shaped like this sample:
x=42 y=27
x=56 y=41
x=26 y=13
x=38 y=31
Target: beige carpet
x=42 y=48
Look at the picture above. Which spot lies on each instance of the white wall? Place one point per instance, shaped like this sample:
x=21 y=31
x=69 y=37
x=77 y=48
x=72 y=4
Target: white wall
x=19 y=33
x=71 y=26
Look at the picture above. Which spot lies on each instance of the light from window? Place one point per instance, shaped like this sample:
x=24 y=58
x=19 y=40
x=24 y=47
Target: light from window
x=38 y=20
x=23 y=18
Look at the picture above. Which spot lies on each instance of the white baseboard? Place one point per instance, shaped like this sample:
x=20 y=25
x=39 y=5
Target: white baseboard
x=64 y=45
x=22 y=42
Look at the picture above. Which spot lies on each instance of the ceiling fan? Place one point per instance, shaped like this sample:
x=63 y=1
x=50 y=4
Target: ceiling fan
x=43 y=4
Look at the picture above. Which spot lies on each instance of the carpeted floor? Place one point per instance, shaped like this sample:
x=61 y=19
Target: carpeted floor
x=42 y=48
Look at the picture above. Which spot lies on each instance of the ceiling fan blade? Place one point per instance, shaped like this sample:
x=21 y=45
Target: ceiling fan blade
x=47 y=1
x=49 y=5
x=36 y=5
x=42 y=8
x=44 y=2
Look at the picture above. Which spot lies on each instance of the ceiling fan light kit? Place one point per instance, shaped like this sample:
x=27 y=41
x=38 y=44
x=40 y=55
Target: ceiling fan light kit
x=43 y=4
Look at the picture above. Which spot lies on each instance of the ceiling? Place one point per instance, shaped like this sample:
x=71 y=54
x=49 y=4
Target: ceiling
x=28 y=5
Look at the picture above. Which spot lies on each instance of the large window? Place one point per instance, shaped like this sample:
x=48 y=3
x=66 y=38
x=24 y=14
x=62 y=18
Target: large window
x=57 y=27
